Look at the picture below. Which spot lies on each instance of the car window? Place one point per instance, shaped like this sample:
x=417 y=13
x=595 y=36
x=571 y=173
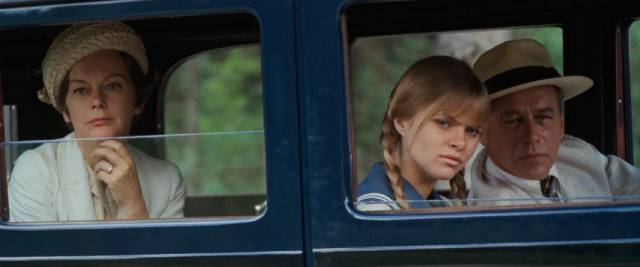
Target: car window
x=196 y=141
x=213 y=101
x=634 y=92
x=376 y=65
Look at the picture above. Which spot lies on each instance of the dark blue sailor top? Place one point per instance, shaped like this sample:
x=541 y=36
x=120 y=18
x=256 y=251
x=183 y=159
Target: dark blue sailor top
x=375 y=193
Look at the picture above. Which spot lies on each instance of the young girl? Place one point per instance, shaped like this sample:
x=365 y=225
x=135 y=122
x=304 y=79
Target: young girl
x=430 y=129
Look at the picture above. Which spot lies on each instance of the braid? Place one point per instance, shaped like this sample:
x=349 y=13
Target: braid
x=390 y=140
x=458 y=186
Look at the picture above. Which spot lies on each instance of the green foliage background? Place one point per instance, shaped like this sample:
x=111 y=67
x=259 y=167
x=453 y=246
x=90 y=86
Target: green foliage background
x=218 y=94
x=634 y=70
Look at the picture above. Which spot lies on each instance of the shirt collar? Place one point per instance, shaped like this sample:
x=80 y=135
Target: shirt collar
x=529 y=185
x=416 y=200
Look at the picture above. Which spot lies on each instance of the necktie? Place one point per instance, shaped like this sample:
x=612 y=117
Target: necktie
x=549 y=188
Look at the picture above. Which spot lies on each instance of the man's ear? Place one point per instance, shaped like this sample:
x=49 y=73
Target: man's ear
x=402 y=125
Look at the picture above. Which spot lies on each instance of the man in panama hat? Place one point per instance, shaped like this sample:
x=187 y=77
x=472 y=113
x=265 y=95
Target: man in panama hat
x=527 y=158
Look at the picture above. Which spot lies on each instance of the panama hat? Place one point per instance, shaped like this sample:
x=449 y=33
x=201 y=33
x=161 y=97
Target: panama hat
x=79 y=41
x=520 y=64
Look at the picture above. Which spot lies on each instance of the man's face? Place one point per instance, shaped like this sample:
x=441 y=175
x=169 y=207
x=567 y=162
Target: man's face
x=524 y=132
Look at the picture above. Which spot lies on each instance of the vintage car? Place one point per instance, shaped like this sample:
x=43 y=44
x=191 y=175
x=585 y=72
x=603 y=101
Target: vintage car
x=270 y=109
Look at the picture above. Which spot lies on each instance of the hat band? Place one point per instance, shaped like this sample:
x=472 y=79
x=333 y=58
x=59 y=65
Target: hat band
x=519 y=76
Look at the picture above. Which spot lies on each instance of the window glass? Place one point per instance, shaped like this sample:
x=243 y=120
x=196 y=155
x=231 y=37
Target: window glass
x=634 y=68
x=192 y=146
x=377 y=63
x=10 y=134
x=215 y=98
x=214 y=134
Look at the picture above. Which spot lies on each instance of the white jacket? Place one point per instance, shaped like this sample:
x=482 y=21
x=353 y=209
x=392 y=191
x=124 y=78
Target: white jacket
x=584 y=174
x=50 y=183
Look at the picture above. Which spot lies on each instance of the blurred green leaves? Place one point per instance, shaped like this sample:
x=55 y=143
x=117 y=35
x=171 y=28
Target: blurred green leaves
x=218 y=92
x=634 y=77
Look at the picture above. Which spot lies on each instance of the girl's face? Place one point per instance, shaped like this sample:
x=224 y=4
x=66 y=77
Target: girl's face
x=101 y=100
x=435 y=146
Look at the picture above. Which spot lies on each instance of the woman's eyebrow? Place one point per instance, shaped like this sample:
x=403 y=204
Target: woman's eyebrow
x=447 y=116
x=115 y=75
x=77 y=81
x=456 y=121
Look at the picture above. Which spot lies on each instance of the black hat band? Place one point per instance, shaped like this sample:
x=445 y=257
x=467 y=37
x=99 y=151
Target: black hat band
x=519 y=76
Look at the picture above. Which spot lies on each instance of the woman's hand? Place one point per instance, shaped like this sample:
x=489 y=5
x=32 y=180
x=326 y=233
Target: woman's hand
x=116 y=169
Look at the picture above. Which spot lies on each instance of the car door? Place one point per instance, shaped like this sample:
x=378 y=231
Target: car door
x=271 y=237
x=341 y=235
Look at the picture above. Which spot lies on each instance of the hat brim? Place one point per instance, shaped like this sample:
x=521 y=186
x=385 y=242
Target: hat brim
x=570 y=85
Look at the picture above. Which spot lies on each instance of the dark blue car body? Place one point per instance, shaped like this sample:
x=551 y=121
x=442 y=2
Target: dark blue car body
x=310 y=219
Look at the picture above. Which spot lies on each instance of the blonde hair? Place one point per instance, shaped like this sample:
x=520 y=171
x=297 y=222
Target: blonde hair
x=439 y=83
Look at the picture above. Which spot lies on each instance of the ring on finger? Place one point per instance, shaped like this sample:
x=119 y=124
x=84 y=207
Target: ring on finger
x=109 y=168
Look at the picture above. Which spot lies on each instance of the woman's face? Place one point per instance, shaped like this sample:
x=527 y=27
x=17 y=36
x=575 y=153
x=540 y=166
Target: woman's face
x=435 y=146
x=101 y=100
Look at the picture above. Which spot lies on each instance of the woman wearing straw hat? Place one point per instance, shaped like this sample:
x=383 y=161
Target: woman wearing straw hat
x=96 y=76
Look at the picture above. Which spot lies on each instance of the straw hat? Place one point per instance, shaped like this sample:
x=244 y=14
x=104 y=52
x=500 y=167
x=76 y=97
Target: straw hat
x=520 y=64
x=79 y=41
